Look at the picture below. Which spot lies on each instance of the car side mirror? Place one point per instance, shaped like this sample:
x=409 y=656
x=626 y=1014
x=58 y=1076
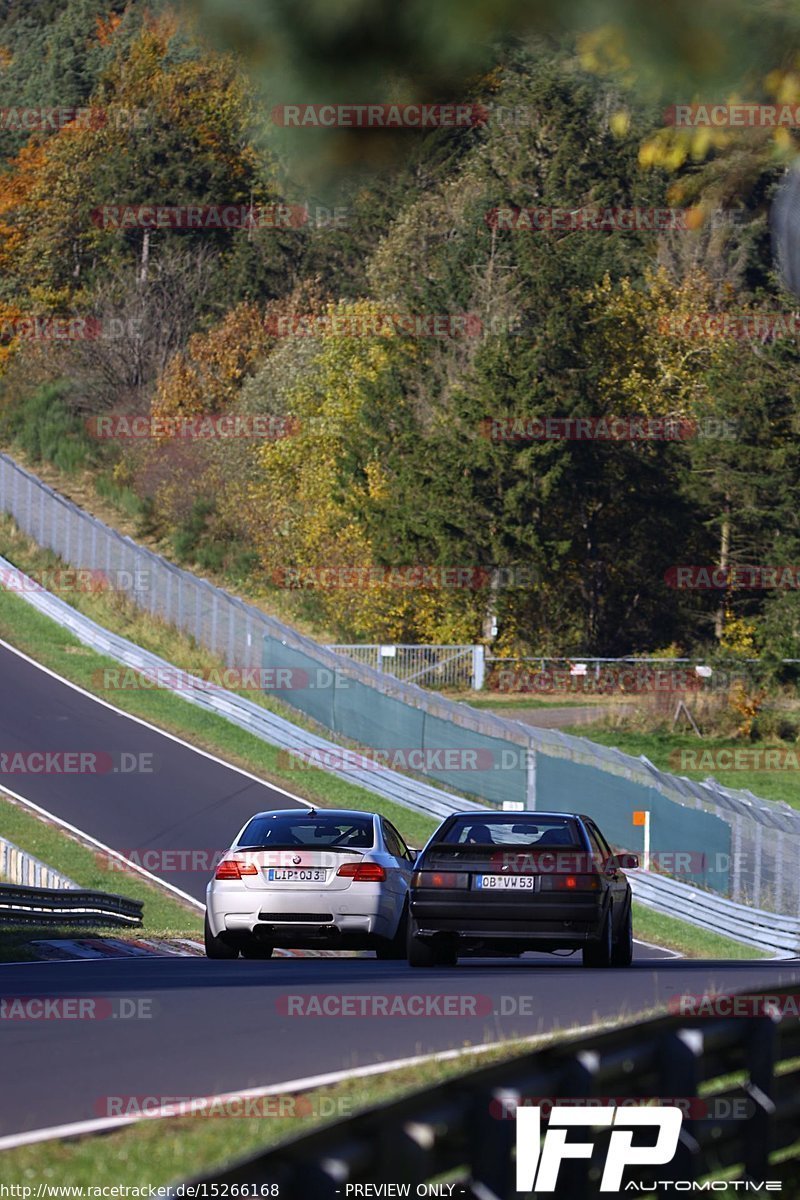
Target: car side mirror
x=412 y=854
x=628 y=862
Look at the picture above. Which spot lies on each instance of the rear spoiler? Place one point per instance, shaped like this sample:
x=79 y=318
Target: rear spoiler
x=569 y=859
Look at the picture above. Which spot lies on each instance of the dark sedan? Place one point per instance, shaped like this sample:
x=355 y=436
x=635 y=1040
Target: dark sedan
x=503 y=883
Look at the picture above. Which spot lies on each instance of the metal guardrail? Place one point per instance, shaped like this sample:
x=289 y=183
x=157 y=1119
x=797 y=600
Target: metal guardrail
x=70 y=906
x=463 y=1130
x=769 y=931
x=17 y=866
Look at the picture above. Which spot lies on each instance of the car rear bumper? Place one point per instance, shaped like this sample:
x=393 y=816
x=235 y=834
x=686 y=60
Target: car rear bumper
x=504 y=919
x=297 y=918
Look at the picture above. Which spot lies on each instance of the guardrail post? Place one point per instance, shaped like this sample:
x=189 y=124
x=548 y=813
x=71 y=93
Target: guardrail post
x=530 y=777
x=478 y=667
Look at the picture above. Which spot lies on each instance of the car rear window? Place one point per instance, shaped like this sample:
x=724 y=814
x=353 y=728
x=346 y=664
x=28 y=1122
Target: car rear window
x=512 y=831
x=283 y=830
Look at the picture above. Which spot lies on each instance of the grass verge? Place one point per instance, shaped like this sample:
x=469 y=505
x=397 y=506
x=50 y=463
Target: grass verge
x=689 y=940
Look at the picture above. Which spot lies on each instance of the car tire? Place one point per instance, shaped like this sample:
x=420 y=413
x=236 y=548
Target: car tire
x=622 y=950
x=215 y=946
x=598 y=954
x=257 y=950
x=418 y=952
x=394 y=949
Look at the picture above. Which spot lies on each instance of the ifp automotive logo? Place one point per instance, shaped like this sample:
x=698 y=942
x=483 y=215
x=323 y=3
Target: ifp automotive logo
x=538 y=1162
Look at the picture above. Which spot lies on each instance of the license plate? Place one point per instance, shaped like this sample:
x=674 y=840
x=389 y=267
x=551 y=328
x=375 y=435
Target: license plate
x=501 y=883
x=296 y=874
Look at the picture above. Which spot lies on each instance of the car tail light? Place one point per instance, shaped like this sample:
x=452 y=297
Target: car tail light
x=363 y=872
x=570 y=883
x=440 y=879
x=231 y=868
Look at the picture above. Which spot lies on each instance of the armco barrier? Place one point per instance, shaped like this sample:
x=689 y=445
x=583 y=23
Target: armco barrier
x=461 y=1130
x=769 y=931
x=411 y=793
x=759 y=839
x=66 y=906
x=17 y=866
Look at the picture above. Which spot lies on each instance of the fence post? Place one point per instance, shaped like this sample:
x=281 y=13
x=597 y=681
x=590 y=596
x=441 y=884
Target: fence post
x=530 y=776
x=736 y=886
x=231 y=636
x=478 y=667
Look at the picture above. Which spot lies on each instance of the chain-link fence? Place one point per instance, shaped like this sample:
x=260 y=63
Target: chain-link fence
x=431 y=666
x=737 y=843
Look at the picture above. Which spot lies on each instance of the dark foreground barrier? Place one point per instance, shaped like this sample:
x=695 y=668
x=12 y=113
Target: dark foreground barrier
x=60 y=906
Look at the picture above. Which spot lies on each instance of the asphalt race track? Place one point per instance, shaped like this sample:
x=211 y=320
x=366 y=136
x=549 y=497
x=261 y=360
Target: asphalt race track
x=211 y=1027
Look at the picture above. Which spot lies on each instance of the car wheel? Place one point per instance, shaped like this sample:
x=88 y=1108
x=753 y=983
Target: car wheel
x=418 y=952
x=598 y=954
x=392 y=949
x=215 y=947
x=257 y=950
x=622 y=950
